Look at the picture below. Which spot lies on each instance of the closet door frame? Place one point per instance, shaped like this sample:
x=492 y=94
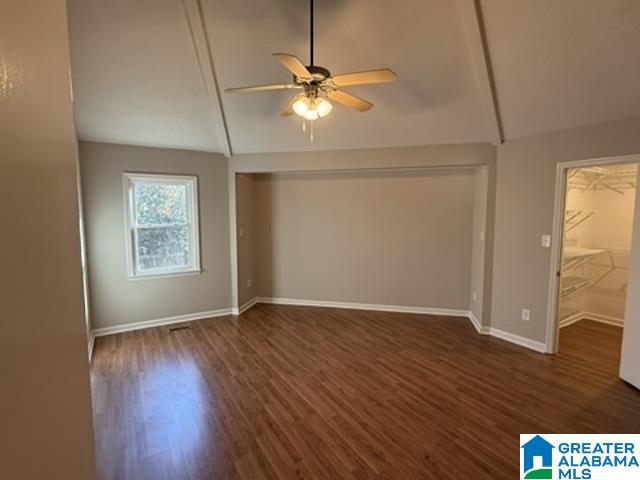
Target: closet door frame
x=557 y=234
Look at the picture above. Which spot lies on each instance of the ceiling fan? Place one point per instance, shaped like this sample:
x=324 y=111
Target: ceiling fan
x=318 y=87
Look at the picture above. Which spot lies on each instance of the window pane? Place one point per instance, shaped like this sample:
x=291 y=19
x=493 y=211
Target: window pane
x=160 y=204
x=163 y=247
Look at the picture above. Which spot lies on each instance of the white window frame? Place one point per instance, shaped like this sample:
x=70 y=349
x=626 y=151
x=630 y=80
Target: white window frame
x=131 y=229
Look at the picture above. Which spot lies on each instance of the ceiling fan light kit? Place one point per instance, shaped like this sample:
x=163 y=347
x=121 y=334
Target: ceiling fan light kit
x=312 y=108
x=319 y=86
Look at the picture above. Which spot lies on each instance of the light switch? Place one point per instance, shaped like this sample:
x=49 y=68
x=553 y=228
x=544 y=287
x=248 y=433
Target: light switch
x=546 y=241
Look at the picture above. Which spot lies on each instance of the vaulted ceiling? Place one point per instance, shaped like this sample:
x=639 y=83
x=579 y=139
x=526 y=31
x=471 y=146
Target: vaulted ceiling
x=152 y=72
x=563 y=63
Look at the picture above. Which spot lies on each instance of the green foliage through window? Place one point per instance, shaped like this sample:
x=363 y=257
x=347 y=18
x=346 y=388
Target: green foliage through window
x=160 y=204
x=163 y=232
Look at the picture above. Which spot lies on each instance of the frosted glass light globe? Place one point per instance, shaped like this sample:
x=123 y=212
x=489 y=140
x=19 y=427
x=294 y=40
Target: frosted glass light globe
x=301 y=106
x=323 y=107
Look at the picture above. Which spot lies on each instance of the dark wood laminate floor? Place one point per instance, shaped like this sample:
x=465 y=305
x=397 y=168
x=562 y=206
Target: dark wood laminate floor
x=314 y=393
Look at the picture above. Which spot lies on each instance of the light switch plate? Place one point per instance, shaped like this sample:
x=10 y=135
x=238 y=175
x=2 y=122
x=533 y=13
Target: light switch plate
x=546 y=241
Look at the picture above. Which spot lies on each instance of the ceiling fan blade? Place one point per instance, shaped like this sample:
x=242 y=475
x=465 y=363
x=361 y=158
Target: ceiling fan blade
x=383 y=75
x=288 y=111
x=349 y=100
x=263 y=88
x=294 y=65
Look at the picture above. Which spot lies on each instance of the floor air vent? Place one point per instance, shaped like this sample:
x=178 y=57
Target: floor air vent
x=179 y=327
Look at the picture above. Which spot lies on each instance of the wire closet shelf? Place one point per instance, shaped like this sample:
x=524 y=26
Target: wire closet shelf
x=599 y=178
x=583 y=268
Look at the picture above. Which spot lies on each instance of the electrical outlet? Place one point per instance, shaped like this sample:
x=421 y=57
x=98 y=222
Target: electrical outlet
x=250 y=283
x=526 y=314
x=475 y=296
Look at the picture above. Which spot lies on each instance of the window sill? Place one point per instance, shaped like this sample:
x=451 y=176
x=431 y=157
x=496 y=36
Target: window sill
x=160 y=276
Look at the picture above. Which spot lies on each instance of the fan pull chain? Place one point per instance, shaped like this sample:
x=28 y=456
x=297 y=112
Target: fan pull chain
x=312 y=133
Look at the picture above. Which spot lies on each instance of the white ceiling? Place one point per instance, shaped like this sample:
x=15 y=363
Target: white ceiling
x=563 y=63
x=433 y=101
x=135 y=76
x=140 y=73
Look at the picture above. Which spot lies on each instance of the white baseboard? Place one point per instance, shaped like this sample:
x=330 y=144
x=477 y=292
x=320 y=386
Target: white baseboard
x=509 y=337
x=129 y=327
x=477 y=325
x=571 y=319
x=364 y=306
x=243 y=308
x=596 y=317
x=518 y=340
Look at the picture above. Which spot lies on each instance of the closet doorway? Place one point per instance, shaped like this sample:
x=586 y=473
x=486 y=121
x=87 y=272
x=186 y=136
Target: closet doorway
x=596 y=222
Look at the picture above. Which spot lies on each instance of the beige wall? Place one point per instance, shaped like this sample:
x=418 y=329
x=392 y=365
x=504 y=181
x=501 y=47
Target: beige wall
x=245 y=219
x=45 y=405
x=394 y=238
x=379 y=159
x=116 y=300
x=517 y=268
x=489 y=243
x=611 y=227
x=630 y=364
x=478 y=242
x=526 y=174
x=372 y=158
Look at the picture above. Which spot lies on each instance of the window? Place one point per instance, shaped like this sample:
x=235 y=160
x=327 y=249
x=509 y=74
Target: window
x=162 y=224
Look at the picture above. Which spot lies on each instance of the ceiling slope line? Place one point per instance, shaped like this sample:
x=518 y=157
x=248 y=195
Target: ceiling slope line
x=201 y=43
x=479 y=53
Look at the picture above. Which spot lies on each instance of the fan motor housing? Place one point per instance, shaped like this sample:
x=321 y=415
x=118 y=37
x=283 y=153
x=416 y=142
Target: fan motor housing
x=318 y=73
